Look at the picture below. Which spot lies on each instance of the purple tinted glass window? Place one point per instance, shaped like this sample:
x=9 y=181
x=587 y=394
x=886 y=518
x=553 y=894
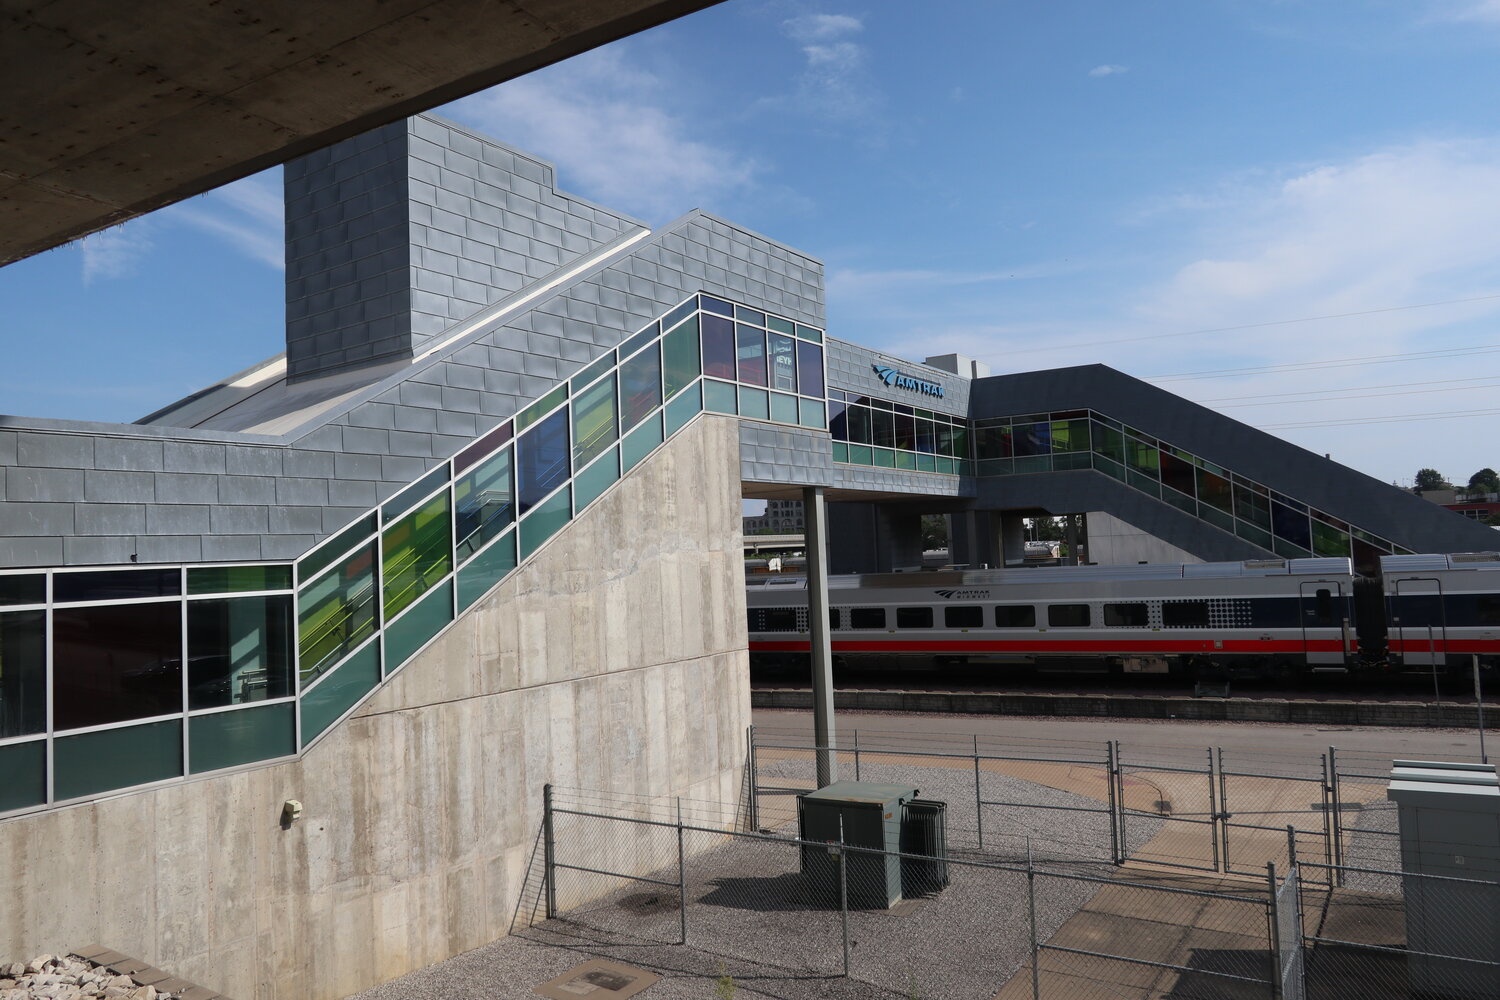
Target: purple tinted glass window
x=718 y=347
x=750 y=349
x=810 y=369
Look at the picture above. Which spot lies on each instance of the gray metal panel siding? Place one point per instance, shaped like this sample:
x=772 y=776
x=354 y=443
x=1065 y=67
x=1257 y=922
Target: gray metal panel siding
x=1303 y=475
x=849 y=368
x=260 y=493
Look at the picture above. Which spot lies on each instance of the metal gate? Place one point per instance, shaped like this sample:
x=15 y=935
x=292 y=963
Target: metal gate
x=1287 y=916
x=1261 y=798
x=1168 y=806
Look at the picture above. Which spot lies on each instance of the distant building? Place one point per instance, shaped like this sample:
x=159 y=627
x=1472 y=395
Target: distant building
x=782 y=517
x=1475 y=506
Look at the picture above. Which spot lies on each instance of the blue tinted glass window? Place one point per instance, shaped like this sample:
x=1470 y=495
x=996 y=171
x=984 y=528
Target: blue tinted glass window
x=750 y=351
x=716 y=305
x=640 y=386
x=541 y=460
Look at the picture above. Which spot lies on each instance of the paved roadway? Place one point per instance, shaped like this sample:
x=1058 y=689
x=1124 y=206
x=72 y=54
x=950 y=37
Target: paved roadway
x=1421 y=744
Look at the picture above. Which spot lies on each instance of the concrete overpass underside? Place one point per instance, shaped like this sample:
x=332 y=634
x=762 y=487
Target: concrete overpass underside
x=108 y=113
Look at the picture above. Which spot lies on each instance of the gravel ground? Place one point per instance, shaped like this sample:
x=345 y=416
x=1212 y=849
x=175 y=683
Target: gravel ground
x=752 y=914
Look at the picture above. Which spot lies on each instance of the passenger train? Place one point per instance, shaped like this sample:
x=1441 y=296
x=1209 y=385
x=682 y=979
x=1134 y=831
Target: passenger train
x=1262 y=618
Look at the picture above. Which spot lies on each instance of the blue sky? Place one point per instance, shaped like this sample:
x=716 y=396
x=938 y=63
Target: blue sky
x=1036 y=184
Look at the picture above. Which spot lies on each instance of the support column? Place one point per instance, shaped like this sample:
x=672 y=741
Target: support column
x=815 y=511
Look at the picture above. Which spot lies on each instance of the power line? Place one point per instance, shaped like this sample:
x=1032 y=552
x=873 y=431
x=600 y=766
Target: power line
x=1252 y=326
x=1401 y=418
x=1438 y=354
x=1324 y=397
x=1352 y=388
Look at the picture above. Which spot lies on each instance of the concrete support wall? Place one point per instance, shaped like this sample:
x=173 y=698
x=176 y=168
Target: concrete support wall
x=1113 y=542
x=615 y=659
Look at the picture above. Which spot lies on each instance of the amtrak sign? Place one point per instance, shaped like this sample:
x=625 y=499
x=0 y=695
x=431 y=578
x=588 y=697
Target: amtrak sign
x=900 y=380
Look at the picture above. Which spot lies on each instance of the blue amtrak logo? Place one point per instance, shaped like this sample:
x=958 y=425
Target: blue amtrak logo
x=963 y=595
x=899 y=380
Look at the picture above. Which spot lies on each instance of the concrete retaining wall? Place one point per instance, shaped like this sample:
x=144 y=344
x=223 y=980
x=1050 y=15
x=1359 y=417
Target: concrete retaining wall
x=1346 y=713
x=616 y=659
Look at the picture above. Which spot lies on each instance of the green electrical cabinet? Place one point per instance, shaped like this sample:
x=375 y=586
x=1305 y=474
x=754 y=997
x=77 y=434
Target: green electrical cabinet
x=860 y=814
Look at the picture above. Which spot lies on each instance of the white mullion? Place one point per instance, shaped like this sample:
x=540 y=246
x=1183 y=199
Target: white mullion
x=340 y=662
x=126 y=724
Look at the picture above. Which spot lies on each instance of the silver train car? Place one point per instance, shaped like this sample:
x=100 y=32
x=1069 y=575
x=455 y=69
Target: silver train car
x=1271 y=618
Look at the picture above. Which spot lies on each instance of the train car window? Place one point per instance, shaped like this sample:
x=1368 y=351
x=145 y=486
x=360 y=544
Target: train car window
x=1068 y=615
x=867 y=617
x=1184 y=614
x=1015 y=616
x=1131 y=615
x=1487 y=609
x=773 y=619
x=914 y=618
x=1273 y=612
x=970 y=617
x=1320 y=611
x=833 y=619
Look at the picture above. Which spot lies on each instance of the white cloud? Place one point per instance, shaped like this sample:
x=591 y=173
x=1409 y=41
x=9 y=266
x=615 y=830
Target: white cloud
x=608 y=124
x=114 y=253
x=834 y=83
x=248 y=214
x=1483 y=11
x=820 y=27
x=1108 y=70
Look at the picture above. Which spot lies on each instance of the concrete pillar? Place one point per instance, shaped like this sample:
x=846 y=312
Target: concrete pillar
x=815 y=511
x=1071 y=536
x=1012 y=539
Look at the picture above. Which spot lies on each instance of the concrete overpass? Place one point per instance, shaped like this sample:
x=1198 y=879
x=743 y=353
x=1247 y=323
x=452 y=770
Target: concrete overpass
x=110 y=111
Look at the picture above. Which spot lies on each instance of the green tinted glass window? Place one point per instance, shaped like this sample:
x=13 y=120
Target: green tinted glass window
x=545 y=520
x=239 y=650
x=682 y=409
x=229 y=739
x=754 y=403
x=336 y=613
x=485 y=570
x=91 y=763
x=783 y=408
x=593 y=481
x=718 y=397
x=238 y=579
x=541 y=407
x=418 y=553
x=338 y=692
x=679 y=350
x=485 y=503
x=23 y=673
x=1328 y=540
x=412 y=630
x=25 y=768
x=640 y=442
x=341 y=543
x=594 y=424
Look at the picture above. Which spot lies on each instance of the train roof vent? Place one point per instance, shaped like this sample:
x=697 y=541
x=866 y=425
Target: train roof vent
x=1320 y=564
x=1474 y=557
x=1265 y=564
x=1417 y=562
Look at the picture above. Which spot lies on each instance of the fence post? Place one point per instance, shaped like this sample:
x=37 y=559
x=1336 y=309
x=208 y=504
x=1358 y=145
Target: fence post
x=754 y=811
x=681 y=878
x=1337 y=839
x=844 y=893
x=978 y=799
x=1036 y=972
x=549 y=853
x=1114 y=802
x=1218 y=814
x=1291 y=847
x=1120 y=809
x=856 y=755
x=1275 y=921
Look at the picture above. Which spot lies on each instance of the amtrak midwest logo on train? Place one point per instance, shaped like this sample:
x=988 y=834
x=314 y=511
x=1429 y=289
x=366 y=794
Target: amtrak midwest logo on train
x=900 y=380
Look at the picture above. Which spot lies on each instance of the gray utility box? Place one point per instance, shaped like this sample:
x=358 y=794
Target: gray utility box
x=1450 y=826
x=861 y=814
